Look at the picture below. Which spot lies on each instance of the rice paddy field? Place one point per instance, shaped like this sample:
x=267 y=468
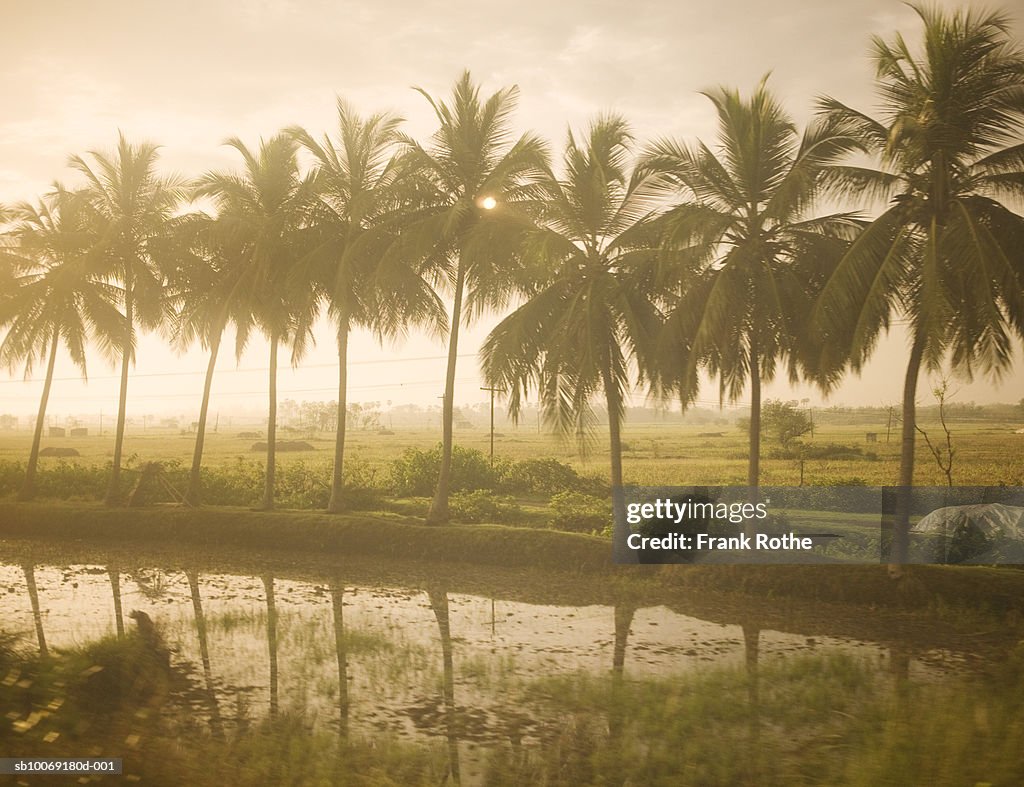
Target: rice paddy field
x=987 y=452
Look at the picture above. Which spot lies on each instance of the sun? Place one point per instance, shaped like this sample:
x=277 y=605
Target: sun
x=488 y=203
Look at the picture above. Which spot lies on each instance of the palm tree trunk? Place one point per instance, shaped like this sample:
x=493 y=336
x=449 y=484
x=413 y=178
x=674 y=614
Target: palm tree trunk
x=621 y=553
x=114 y=490
x=754 y=466
x=29 y=489
x=901 y=527
x=192 y=493
x=268 y=489
x=439 y=507
x=335 y=506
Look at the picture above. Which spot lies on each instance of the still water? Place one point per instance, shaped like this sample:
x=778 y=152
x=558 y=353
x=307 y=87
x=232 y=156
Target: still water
x=498 y=690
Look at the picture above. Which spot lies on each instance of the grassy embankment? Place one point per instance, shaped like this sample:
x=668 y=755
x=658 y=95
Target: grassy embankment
x=979 y=589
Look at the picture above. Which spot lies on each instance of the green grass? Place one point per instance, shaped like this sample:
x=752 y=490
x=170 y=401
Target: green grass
x=383 y=536
x=814 y=719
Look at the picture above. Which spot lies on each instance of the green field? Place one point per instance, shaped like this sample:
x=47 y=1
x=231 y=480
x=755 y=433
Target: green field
x=672 y=453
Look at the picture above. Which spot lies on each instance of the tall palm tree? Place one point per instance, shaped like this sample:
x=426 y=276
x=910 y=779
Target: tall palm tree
x=946 y=254
x=263 y=213
x=589 y=317
x=56 y=296
x=209 y=290
x=131 y=208
x=359 y=187
x=757 y=257
x=473 y=177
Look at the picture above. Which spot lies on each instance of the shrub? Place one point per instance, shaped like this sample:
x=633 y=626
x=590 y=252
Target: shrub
x=61 y=480
x=546 y=476
x=483 y=506
x=826 y=451
x=297 y=485
x=580 y=513
x=239 y=483
x=415 y=472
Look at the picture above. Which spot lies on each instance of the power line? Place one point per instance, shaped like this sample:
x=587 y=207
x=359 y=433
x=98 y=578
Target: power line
x=246 y=370
x=133 y=397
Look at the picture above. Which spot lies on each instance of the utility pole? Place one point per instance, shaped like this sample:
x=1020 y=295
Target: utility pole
x=493 y=391
x=888 y=425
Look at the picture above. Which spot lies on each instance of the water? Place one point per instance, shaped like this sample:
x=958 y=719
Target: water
x=494 y=685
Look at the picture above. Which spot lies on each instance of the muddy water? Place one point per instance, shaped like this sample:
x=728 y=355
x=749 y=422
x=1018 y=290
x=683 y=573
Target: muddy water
x=421 y=665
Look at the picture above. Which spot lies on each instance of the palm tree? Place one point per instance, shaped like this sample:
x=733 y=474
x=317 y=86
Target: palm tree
x=472 y=177
x=590 y=315
x=359 y=187
x=56 y=296
x=263 y=213
x=131 y=209
x=946 y=254
x=755 y=255
x=209 y=291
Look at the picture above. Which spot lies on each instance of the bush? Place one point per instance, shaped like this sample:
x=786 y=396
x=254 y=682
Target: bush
x=61 y=480
x=781 y=421
x=826 y=451
x=546 y=476
x=483 y=506
x=415 y=472
x=239 y=483
x=580 y=513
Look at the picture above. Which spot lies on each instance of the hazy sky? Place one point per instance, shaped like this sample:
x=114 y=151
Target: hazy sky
x=189 y=74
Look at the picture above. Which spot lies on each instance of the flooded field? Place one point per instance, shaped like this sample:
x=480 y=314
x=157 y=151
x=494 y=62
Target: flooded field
x=430 y=684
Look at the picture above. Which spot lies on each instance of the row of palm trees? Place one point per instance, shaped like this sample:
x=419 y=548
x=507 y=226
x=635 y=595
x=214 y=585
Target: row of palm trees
x=622 y=266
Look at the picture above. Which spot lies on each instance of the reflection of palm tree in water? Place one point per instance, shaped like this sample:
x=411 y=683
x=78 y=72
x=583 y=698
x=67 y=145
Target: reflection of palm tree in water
x=752 y=652
x=268 y=584
x=337 y=601
x=899 y=669
x=204 y=651
x=616 y=714
x=115 y=589
x=439 y=603
x=623 y=620
x=37 y=615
